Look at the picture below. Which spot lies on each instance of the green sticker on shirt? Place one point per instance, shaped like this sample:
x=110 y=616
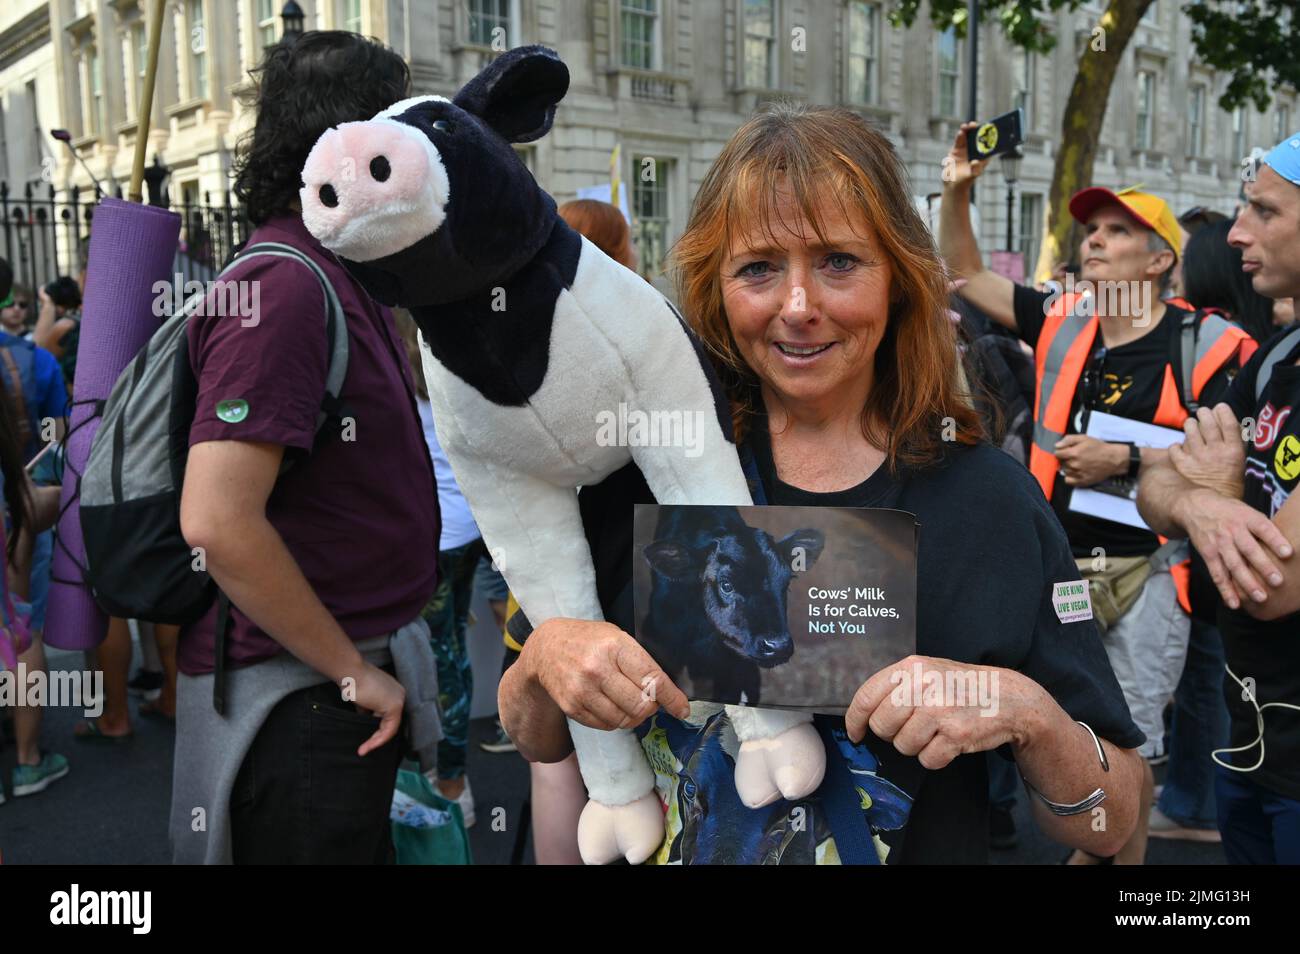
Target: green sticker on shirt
x=232 y=412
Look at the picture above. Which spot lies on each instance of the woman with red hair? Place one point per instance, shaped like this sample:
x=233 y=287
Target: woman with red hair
x=816 y=289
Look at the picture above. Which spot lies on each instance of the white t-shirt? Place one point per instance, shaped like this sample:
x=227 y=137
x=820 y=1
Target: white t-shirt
x=458 y=526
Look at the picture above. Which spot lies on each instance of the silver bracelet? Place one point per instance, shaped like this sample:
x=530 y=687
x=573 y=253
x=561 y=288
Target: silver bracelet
x=1087 y=804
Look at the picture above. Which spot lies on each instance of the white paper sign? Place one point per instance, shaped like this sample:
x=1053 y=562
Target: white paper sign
x=1108 y=504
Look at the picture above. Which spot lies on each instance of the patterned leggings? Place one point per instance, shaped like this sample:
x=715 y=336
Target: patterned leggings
x=447 y=614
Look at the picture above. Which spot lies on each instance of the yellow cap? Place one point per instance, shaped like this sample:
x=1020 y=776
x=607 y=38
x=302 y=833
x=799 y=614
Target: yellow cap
x=1149 y=210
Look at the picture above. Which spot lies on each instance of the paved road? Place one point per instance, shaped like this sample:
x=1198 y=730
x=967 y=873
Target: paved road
x=112 y=807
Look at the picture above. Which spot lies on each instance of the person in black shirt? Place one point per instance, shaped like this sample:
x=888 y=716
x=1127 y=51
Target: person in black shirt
x=824 y=307
x=1112 y=346
x=1230 y=488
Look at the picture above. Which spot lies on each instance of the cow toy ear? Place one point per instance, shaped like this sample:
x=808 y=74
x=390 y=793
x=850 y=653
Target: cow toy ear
x=670 y=559
x=807 y=542
x=516 y=94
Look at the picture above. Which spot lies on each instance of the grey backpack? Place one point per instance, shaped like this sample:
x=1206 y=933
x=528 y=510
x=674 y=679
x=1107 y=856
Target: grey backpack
x=138 y=564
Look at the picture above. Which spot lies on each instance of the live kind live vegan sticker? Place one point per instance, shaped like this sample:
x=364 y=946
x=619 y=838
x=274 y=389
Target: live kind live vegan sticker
x=232 y=411
x=1072 y=601
x=987 y=138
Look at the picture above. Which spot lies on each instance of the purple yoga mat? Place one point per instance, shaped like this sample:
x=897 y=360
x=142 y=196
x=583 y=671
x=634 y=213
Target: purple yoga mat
x=132 y=246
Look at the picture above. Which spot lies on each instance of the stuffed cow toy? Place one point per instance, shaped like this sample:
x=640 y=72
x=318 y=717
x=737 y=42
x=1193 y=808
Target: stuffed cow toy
x=528 y=331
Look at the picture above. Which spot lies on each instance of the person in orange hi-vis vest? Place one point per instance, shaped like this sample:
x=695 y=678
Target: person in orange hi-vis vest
x=1107 y=342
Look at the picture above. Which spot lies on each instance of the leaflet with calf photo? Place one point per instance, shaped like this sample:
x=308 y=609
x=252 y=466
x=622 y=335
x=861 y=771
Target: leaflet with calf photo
x=783 y=607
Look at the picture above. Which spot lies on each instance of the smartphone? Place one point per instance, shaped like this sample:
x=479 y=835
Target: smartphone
x=995 y=136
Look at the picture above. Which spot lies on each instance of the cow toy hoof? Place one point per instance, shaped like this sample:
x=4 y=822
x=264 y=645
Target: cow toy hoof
x=790 y=766
x=633 y=831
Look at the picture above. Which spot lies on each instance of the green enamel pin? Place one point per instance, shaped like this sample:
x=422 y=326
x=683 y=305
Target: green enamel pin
x=232 y=412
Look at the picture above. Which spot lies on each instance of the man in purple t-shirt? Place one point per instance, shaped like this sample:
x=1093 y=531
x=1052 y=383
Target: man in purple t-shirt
x=322 y=562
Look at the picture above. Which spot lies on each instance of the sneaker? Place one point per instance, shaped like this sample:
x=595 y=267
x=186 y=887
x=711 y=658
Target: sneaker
x=1162 y=826
x=1002 y=829
x=30 y=779
x=500 y=743
x=465 y=799
x=146 y=683
x=466 y=802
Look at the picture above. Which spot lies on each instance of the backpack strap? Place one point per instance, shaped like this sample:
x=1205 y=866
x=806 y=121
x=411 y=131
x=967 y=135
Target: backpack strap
x=24 y=423
x=1182 y=357
x=1283 y=345
x=219 y=653
x=332 y=407
x=840 y=799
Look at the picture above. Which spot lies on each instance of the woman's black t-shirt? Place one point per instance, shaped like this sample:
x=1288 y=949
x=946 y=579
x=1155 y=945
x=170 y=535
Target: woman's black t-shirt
x=989 y=549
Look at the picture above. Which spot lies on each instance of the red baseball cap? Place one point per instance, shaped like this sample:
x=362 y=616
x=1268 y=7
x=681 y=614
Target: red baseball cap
x=1146 y=209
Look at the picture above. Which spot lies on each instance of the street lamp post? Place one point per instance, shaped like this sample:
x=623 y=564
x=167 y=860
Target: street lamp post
x=1010 y=166
x=293 y=19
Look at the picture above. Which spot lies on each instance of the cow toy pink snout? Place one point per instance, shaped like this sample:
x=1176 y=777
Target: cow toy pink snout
x=373 y=188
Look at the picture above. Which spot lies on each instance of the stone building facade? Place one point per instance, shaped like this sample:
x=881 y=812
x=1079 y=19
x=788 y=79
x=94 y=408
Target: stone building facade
x=667 y=81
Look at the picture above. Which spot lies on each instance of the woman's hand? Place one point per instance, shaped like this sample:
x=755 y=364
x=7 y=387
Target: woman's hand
x=598 y=674
x=1213 y=454
x=938 y=709
x=958 y=169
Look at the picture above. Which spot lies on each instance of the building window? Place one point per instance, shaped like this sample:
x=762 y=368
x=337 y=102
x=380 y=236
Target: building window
x=266 y=23
x=1026 y=65
x=140 y=61
x=650 y=212
x=96 y=93
x=1282 y=123
x=1239 y=133
x=352 y=16
x=1031 y=228
x=4 y=146
x=949 y=72
x=639 y=31
x=1196 y=121
x=198 y=39
x=1146 y=96
x=37 y=138
x=864 y=56
x=760 y=43
x=485 y=18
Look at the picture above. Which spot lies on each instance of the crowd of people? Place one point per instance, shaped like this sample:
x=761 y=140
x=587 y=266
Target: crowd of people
x=870 y=359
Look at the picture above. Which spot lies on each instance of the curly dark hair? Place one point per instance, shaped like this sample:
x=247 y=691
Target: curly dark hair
x=302 y=88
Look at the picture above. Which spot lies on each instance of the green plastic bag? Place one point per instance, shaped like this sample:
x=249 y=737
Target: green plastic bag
x=427 y=828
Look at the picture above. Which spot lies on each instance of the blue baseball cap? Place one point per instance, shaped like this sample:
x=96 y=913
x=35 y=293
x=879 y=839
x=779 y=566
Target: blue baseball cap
x=1284 y=159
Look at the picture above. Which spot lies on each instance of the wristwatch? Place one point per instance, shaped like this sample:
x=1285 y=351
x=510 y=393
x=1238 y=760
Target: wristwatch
x=1134 y=460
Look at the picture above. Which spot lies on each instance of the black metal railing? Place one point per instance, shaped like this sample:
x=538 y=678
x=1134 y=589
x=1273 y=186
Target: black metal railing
x=41 y=236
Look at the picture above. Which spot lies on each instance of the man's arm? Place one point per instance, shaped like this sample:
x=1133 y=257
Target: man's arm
x=991 y=293
x=223 y=510
x=1227 y=533
x=1283 y=600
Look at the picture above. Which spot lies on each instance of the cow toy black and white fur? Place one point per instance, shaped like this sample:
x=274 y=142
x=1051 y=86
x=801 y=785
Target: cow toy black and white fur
x=528 y=331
